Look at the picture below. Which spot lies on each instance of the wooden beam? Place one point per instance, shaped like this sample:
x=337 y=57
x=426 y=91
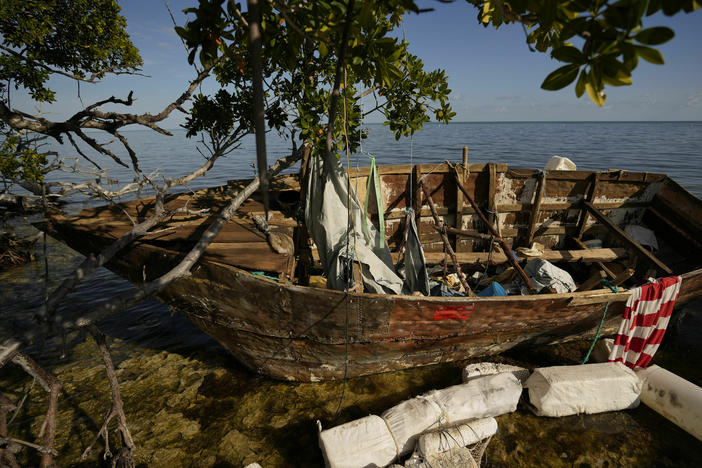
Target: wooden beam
x=623 y=276
x=447 y=245
x=593 y=282
x=601 y=265
x=590 y=197
x=536 y=207
x=627 y=238
x=463 y=232
x=492 y=204
x=505 y=248
x=464 y=174
x=553 y=256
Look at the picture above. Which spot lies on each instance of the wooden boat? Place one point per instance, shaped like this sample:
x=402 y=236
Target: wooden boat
x=278 y=325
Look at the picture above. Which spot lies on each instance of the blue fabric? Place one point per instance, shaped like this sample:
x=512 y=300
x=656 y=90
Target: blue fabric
x=495 y=289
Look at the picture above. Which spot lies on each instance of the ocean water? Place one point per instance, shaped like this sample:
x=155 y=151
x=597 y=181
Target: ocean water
x=190 y=404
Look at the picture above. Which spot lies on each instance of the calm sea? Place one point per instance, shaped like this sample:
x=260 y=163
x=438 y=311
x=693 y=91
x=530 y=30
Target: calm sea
x=674 y=148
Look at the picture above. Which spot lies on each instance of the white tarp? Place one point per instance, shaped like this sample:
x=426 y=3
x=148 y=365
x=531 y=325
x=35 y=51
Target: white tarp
x=482 y=397
x=326 y=216
x=409 y=419
x=543 y=273
x=364 y=442
x=462 y=435
x=590 y=388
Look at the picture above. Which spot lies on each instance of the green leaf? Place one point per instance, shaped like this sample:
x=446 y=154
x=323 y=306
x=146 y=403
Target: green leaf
x=569 y=54
x=596 y=96
x=580 y=85
x=560 y=78
x=649 y=54
x=655 y=36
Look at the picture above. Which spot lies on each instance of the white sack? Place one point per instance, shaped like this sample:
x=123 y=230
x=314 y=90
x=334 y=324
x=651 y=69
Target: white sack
x=409 y=419
x=590 y=388
x=462 y=435
x=479 y=369
x=543 y=273
x=482 y=397
x=559 y=163
x=364 y=442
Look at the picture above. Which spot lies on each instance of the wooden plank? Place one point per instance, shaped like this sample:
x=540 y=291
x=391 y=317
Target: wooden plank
x=459 y=198
x=626 y=238
x=606 y=296
x=518 y=207
x=601 y=265
x=554 y=256
x=250 y=255
x=492 y=191
x=536 y=207
x=589 y=197
x=593 y=281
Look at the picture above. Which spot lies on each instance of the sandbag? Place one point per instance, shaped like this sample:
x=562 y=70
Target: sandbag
x=482 y=397
x=364 y=442
x=590 y=388
x=462 y=435
x=471 y=371
x=409 y=419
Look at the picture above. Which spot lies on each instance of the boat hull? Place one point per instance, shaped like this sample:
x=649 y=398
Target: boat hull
x=312 y=334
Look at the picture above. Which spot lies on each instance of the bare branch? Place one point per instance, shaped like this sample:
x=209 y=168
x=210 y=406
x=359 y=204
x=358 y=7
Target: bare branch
x=94 y=78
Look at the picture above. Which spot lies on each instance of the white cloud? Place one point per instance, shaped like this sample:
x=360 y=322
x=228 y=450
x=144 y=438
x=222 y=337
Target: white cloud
x=694 y=100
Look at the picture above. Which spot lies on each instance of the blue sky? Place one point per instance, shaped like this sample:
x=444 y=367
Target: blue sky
x=493 y=75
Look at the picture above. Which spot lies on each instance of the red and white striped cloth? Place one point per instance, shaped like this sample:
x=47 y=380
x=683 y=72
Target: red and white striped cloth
x=646 y=317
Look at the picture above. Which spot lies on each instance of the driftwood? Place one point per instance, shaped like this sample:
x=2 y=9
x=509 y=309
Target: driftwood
x=124 y=457
x=48 y=428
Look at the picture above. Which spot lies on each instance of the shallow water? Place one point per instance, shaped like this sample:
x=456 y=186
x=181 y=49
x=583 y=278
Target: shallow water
x=189 y=404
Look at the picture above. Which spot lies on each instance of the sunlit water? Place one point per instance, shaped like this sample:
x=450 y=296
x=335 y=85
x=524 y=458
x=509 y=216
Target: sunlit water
x=190 y=404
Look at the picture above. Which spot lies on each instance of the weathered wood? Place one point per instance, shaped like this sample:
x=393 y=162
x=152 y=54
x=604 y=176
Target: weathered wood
x=492 y=191
x=601 y=265
x=306 y=333
x=447 y=244
x=626 y=238
x=498 y=238
x=589 y=197
x=623 y=276
x=553 y=256
x=463 y=232
x=536 y=207
x=593 y=281
x=459 y=199
x=674 y=227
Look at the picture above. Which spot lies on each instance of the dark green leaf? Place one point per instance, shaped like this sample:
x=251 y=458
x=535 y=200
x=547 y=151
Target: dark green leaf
x=561 y=77
x=655 y=36
x=569 y=54
x=580 y=85
x=649 y=54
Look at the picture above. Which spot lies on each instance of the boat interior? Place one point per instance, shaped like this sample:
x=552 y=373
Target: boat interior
x=484 y=219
